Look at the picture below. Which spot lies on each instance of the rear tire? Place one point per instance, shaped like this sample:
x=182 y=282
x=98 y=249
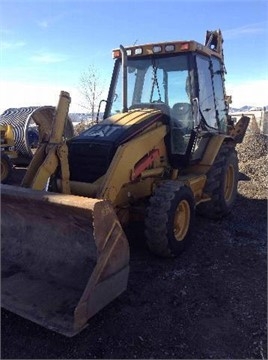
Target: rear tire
x=221 y=185
x=170 y=218
x=6 y=168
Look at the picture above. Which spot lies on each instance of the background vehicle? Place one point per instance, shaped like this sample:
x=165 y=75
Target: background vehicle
x=164 y=148
x=8 y=152
x=25 y=123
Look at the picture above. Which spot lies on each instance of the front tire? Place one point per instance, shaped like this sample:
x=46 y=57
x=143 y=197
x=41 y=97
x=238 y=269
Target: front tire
x=170 y=218
x=221 y=185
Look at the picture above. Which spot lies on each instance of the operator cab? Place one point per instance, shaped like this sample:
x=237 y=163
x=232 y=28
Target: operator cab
x=182 y=79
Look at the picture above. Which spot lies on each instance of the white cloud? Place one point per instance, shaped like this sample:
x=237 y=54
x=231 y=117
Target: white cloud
x=5 y=31
x=43 y=24
x=248 y=93
x=9 y=45
x=51 y=20
x=48 y=58
x=245 y=30
x=17 y=94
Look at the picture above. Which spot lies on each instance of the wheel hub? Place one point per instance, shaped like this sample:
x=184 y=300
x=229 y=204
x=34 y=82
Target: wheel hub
x=229 y=183
x=182 y=220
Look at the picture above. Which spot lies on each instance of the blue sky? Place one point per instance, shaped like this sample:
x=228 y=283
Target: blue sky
x=47 y=45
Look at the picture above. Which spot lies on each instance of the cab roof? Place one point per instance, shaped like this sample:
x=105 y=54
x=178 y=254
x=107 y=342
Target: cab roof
x=171 y=47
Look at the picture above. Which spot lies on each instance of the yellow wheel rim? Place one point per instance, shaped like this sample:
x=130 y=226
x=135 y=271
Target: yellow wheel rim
x=182 y=220
x=229 y=183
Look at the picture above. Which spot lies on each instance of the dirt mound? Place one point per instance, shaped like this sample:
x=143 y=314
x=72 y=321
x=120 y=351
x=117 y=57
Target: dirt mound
x=254 y=147
x=253 y=164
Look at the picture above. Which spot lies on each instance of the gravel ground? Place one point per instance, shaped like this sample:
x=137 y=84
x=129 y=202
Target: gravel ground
x=209 y=303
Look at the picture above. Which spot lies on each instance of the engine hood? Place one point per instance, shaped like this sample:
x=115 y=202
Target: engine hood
x=120 y=127
x=91 y=152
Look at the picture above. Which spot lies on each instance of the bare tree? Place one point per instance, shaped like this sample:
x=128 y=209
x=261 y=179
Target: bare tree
x=91 y=89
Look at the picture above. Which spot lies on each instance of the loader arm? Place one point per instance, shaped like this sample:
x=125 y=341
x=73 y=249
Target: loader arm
x=51 y=152
x=64 y=257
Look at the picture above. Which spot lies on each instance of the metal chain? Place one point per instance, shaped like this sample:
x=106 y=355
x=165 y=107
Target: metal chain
x=155 y=82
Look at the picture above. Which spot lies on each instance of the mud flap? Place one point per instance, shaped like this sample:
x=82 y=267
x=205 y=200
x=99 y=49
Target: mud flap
x=64 y=257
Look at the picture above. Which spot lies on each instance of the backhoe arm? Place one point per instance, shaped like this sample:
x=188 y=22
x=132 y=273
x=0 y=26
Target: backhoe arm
x=51 y=152
x=239 y=130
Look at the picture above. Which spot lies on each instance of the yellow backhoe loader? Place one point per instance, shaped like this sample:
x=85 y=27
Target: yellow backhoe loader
x=8 y=152
x=164 y=149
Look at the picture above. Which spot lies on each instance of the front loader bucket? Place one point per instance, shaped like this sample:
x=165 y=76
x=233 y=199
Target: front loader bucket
x=64 y=257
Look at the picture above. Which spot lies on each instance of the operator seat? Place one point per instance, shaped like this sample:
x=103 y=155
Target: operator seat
x=181 y=114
